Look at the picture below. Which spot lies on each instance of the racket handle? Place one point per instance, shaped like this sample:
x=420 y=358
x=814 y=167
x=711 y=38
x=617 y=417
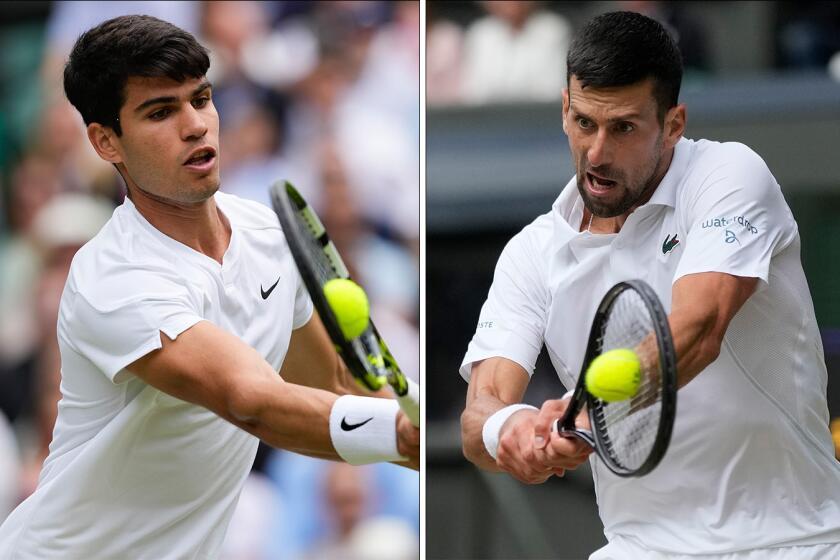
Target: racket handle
x=579 y=433
x=410 y=402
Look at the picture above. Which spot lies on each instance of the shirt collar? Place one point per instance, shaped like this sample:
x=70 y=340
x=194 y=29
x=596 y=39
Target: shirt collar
x=666 y=193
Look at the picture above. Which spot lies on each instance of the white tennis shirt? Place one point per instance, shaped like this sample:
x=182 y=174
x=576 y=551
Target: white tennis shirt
x=751 y=462
x=133 y=472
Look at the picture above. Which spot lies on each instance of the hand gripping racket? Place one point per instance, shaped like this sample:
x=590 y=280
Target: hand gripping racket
x=366 y=356
x=632 y=435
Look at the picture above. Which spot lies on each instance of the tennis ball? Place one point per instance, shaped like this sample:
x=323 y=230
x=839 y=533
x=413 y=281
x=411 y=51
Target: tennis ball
x=614 y=375
x=350 y=306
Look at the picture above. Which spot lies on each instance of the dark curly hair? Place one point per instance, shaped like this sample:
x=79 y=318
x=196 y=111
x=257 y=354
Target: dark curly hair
x=105 y=56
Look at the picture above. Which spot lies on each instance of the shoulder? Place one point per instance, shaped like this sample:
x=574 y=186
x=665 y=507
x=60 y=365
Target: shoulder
x=531 y=244
x=721 y=169
x=247 y=214
x=723 y=159
x=122 y=264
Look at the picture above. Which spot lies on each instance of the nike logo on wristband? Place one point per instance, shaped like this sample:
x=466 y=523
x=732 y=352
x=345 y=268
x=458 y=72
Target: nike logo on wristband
x=266 y=293
x=350 y=427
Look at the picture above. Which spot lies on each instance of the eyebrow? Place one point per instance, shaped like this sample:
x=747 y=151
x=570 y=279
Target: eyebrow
x=171 y=98
x=619 y=118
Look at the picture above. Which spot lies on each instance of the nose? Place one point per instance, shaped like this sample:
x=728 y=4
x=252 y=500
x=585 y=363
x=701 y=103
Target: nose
x=600 y=150
x=193 y=124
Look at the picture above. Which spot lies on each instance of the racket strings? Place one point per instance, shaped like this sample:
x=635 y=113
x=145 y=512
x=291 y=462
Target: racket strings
x=629 y=428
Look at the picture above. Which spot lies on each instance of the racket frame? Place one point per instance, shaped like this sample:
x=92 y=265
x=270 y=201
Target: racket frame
x=668 y=372
x=380 y=367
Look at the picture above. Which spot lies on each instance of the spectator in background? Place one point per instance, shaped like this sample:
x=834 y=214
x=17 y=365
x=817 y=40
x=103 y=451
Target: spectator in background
x=444 y=52
x=384 y=538
x=60 y=228
x=346 y=493
x=388 y=273
x=34 y=182
x=354 y=533
x=516 y=53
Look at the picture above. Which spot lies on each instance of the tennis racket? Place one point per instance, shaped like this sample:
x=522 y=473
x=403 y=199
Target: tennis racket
x=366 y=356
x=632 y=435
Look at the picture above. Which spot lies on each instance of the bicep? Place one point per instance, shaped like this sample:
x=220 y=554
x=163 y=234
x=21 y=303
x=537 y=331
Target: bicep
x=702 y=307
x=711 y=294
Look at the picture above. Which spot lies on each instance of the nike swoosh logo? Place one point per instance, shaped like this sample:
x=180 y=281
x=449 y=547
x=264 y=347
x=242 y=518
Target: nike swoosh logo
x=266 y=293
x=350 y=427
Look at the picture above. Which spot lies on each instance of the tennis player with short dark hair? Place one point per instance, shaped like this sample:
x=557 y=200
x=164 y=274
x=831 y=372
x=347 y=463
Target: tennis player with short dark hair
x=750 y=472
x=173 y=325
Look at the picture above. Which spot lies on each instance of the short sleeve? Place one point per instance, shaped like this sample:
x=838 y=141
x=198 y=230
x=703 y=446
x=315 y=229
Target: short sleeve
x=737 y=219
x=113 y=331
x=303 y=305
x=512 y=320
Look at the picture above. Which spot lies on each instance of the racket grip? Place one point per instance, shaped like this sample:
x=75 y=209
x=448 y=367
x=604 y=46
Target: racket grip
x=410 y=402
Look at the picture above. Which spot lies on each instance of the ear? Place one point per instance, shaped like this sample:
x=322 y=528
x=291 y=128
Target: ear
x=105 y=142
x=565 y=108
x=675 y=124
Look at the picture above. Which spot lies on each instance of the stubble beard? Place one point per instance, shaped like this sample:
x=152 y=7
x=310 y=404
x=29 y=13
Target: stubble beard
x=633 y=193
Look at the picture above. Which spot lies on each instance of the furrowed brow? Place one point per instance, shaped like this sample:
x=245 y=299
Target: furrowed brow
x=618 y=118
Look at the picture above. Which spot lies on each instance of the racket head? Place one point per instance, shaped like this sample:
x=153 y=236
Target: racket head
x=366 y=356
x=632 y=435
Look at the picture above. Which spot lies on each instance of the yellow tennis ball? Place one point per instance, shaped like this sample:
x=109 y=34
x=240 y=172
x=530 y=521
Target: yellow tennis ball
x=350 y=306
x=614 y=375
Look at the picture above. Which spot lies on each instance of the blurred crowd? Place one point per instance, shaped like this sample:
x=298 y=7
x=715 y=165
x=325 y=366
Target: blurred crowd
x=496 y=51
x=324 y=94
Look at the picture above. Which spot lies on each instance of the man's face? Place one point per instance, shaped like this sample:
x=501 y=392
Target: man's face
x=164 y=123
x=618 y=144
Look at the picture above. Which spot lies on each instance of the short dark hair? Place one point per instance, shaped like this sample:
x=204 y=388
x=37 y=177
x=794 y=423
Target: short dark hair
x=623 y=48
x=105 y=56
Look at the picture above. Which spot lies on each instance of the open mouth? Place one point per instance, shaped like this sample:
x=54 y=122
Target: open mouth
x=201 y=157
x=600 y=184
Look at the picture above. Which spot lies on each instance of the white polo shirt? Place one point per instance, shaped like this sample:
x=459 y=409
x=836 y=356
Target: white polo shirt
x=751 y=462
x=133 y=472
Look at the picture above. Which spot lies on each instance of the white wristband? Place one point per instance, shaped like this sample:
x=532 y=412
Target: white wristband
x=364 y=429
x=493 y=425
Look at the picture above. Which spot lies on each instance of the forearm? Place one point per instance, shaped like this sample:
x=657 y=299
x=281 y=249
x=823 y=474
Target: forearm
x=472 y=423
x=696 y=342
x=287 y=416
x=494 y=384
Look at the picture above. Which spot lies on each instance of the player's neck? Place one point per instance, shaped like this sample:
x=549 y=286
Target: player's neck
x=200 y=226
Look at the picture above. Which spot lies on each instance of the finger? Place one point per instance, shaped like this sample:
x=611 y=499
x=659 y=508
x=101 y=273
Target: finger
x=549 y=412
x=523 y=471
x=408 y=432
x=516 y=455
x=569 y=445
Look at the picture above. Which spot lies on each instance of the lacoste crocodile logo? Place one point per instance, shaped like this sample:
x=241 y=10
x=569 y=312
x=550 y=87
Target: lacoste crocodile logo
x=669 y=244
